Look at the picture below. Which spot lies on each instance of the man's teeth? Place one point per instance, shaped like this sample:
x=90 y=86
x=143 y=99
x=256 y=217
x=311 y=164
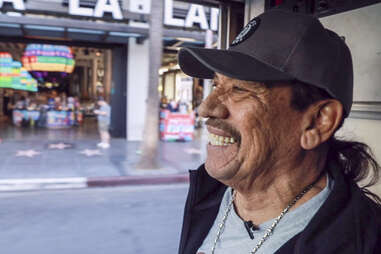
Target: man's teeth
x=220 y=140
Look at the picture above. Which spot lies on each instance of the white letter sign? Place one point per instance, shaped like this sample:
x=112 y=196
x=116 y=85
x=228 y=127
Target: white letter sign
x=75 y=9
x=168 y=15
x=113 y=7
x=214 y=19
x=17 y=4
x=196 y=14
x=140 y=6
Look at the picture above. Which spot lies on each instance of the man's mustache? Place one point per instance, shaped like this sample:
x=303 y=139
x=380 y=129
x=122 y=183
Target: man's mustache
x=226 y=127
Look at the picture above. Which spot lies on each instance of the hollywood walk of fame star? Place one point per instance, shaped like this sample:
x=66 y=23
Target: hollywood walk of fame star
x=60 y=146
x=90 y=152
x=27 y=153
x=193 y=151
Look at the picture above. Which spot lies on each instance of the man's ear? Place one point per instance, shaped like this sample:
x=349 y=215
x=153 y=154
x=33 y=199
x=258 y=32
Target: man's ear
x=320 y=122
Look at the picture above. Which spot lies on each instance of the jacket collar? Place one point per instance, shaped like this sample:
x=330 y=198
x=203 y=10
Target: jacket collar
x=347 y=216
x=202 y=205
x=342 y=222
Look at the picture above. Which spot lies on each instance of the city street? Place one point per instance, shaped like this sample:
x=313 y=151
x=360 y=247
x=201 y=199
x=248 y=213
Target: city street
x=143 y=219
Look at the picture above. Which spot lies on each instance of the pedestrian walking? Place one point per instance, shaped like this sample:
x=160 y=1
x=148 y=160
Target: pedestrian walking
x=104 y=116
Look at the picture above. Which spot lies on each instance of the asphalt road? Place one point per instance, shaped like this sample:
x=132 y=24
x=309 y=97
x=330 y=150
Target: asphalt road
x=128 y=220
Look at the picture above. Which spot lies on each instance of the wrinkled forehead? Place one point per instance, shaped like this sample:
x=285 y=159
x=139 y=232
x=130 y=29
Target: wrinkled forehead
x=220 y=79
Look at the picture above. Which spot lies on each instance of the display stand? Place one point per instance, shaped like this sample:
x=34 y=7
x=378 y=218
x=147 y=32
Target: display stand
x=176 y=126
x=51 y=119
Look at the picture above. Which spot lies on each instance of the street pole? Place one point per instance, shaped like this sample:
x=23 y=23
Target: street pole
x=208 y=44
x=206 y=91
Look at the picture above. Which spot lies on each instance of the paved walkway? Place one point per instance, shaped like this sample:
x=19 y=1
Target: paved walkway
x=72 y=153
x=81 y=158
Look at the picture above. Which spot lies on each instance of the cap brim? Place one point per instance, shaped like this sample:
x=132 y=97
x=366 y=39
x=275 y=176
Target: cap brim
x=204 y=63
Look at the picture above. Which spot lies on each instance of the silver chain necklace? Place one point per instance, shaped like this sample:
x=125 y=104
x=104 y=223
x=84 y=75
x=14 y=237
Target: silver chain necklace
x=270 y=230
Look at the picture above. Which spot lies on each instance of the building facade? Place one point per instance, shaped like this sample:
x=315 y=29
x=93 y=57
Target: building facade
x=110 y=41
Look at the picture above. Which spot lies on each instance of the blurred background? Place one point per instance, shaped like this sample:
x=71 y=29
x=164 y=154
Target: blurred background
x=58 y=58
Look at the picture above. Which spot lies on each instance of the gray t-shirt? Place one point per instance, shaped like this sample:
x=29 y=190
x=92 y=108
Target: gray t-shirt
x=105 y=119
x=235 y=238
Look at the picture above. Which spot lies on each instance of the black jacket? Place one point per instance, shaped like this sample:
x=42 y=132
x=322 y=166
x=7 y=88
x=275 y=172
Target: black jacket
x=348 y=222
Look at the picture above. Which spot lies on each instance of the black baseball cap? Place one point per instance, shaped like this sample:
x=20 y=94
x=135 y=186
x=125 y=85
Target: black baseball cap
x=280 y=45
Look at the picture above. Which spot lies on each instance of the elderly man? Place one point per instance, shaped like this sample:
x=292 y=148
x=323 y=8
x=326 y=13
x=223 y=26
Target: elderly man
x=275 y=178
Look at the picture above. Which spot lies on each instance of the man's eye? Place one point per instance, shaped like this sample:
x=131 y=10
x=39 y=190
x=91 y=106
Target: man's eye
x=239 y=89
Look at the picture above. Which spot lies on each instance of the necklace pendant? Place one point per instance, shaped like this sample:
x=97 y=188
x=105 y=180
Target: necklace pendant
x=249 y=225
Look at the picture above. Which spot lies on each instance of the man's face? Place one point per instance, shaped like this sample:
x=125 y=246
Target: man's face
x=252 y=129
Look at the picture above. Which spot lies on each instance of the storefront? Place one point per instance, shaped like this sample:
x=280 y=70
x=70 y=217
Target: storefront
x=109 y=44
x=178 y=107
x=52 y=86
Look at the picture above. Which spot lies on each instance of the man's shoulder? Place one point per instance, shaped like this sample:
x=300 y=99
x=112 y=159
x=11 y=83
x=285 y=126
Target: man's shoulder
x=358 y=215
x=201 y=208
x=368 y=206
x=361 y=201
x=349 y=214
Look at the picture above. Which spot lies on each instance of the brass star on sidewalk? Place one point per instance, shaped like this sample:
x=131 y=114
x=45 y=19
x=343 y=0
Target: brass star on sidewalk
x=60 y=146
x=193 y=151
x=27 y=153
x=90 y=152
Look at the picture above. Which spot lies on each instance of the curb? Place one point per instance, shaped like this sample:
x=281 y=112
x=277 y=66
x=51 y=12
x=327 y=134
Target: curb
x=36 y=184
x=136 y=180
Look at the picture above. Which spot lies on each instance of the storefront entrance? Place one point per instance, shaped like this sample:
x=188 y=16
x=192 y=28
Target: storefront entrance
x=48 y=87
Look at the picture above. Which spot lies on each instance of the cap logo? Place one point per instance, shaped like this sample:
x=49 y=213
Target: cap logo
x=246 y=32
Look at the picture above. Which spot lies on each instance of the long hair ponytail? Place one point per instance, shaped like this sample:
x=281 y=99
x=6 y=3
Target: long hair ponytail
x=358 y=163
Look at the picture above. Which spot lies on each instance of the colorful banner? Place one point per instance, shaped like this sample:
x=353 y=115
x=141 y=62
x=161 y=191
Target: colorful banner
x=176 y=126
x=6 y=70
x=27 y=82
x=13 y=75
x=51 y=58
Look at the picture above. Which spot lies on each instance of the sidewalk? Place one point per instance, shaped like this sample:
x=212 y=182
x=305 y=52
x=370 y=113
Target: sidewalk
x=56 y=161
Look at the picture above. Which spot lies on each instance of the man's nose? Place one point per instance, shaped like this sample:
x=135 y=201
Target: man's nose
x=213 y=107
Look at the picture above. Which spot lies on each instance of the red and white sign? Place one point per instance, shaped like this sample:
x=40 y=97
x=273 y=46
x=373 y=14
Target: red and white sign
x=176 y=126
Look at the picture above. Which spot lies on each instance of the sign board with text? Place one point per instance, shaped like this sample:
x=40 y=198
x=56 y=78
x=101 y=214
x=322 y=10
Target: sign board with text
x=193 y=15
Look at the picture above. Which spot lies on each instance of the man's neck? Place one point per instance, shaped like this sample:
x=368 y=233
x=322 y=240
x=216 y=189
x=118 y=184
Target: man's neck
x=259 y=204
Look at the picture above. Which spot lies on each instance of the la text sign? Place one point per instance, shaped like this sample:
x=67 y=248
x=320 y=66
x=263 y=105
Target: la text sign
x=196 y=15
x=17 y=4
x=101 y=7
